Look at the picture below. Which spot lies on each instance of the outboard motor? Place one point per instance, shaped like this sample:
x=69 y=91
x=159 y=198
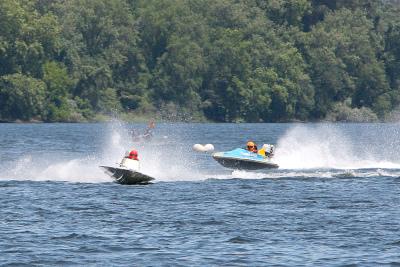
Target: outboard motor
x=269 y=150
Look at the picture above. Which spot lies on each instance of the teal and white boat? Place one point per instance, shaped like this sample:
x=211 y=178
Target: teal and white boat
x=242 y=159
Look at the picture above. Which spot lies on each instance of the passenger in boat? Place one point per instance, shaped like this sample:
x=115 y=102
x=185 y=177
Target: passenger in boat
x=267 y=150
x=252 y=147
x=131 y=161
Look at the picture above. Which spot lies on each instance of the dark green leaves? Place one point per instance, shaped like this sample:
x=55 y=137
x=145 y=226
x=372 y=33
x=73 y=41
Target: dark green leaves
x=222 y=60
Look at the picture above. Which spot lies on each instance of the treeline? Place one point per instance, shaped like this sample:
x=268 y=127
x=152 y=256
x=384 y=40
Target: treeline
x=222 y=60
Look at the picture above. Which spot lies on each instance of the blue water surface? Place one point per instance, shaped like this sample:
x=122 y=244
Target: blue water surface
x=58 y=209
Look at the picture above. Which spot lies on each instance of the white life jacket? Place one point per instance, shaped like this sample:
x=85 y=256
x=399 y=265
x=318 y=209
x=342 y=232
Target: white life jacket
x=130 y=164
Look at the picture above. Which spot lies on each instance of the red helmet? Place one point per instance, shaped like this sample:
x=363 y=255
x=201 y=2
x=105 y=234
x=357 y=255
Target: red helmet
x=133 y=155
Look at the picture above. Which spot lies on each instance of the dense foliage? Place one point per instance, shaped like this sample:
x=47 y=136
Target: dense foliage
x=223 y=60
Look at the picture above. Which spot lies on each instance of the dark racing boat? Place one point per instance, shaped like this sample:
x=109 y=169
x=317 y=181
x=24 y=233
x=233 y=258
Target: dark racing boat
x=242 y=159
x=126 y=176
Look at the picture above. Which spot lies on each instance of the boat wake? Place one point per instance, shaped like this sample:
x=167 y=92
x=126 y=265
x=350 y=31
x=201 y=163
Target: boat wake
x=304 y=151
x=327 y=147
x=324 y=151
x=76 y=171
x=308 y=174
x=161 y=159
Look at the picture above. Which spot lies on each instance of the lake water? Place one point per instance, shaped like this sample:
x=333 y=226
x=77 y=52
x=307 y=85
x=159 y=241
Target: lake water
x=335 y=200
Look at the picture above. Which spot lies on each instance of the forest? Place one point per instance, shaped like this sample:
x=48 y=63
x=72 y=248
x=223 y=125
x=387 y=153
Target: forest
x=200 y=60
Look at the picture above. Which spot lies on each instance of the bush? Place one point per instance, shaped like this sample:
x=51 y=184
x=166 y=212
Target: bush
x=21 y=97
x=343 y=112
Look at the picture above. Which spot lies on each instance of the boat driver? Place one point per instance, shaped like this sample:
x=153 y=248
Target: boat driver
x=131 y=161
x=133 y=155
x=252 y=147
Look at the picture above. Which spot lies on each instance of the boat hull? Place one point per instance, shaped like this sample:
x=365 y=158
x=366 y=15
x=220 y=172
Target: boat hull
x=241 y=159
x=126 y=176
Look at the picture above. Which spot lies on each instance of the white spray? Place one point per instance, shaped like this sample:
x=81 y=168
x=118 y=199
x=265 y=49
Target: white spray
x=323 y=146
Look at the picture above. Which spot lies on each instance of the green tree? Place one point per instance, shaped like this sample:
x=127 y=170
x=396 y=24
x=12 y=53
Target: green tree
x=100 y=44
x=21 y=97
x=343 y=53
x=59 y=86
x=27 y=39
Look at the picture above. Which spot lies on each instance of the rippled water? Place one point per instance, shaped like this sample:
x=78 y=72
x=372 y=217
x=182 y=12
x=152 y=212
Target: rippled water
x=334 y=201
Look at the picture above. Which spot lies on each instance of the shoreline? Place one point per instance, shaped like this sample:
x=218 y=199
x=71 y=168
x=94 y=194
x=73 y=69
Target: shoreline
x=182 y=121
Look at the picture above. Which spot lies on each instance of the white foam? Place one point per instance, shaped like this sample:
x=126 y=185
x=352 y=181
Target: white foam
x=303 y=151
x=76 y=170
x=164 y=159
x=323 y=146
x=85 y=169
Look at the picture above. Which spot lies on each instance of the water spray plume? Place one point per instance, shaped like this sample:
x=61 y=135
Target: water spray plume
x=324 y=146
x=303 y=151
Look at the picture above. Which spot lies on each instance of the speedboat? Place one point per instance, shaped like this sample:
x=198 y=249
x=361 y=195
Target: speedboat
x=128 y=172
x=126 y=176
x=242 y=159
